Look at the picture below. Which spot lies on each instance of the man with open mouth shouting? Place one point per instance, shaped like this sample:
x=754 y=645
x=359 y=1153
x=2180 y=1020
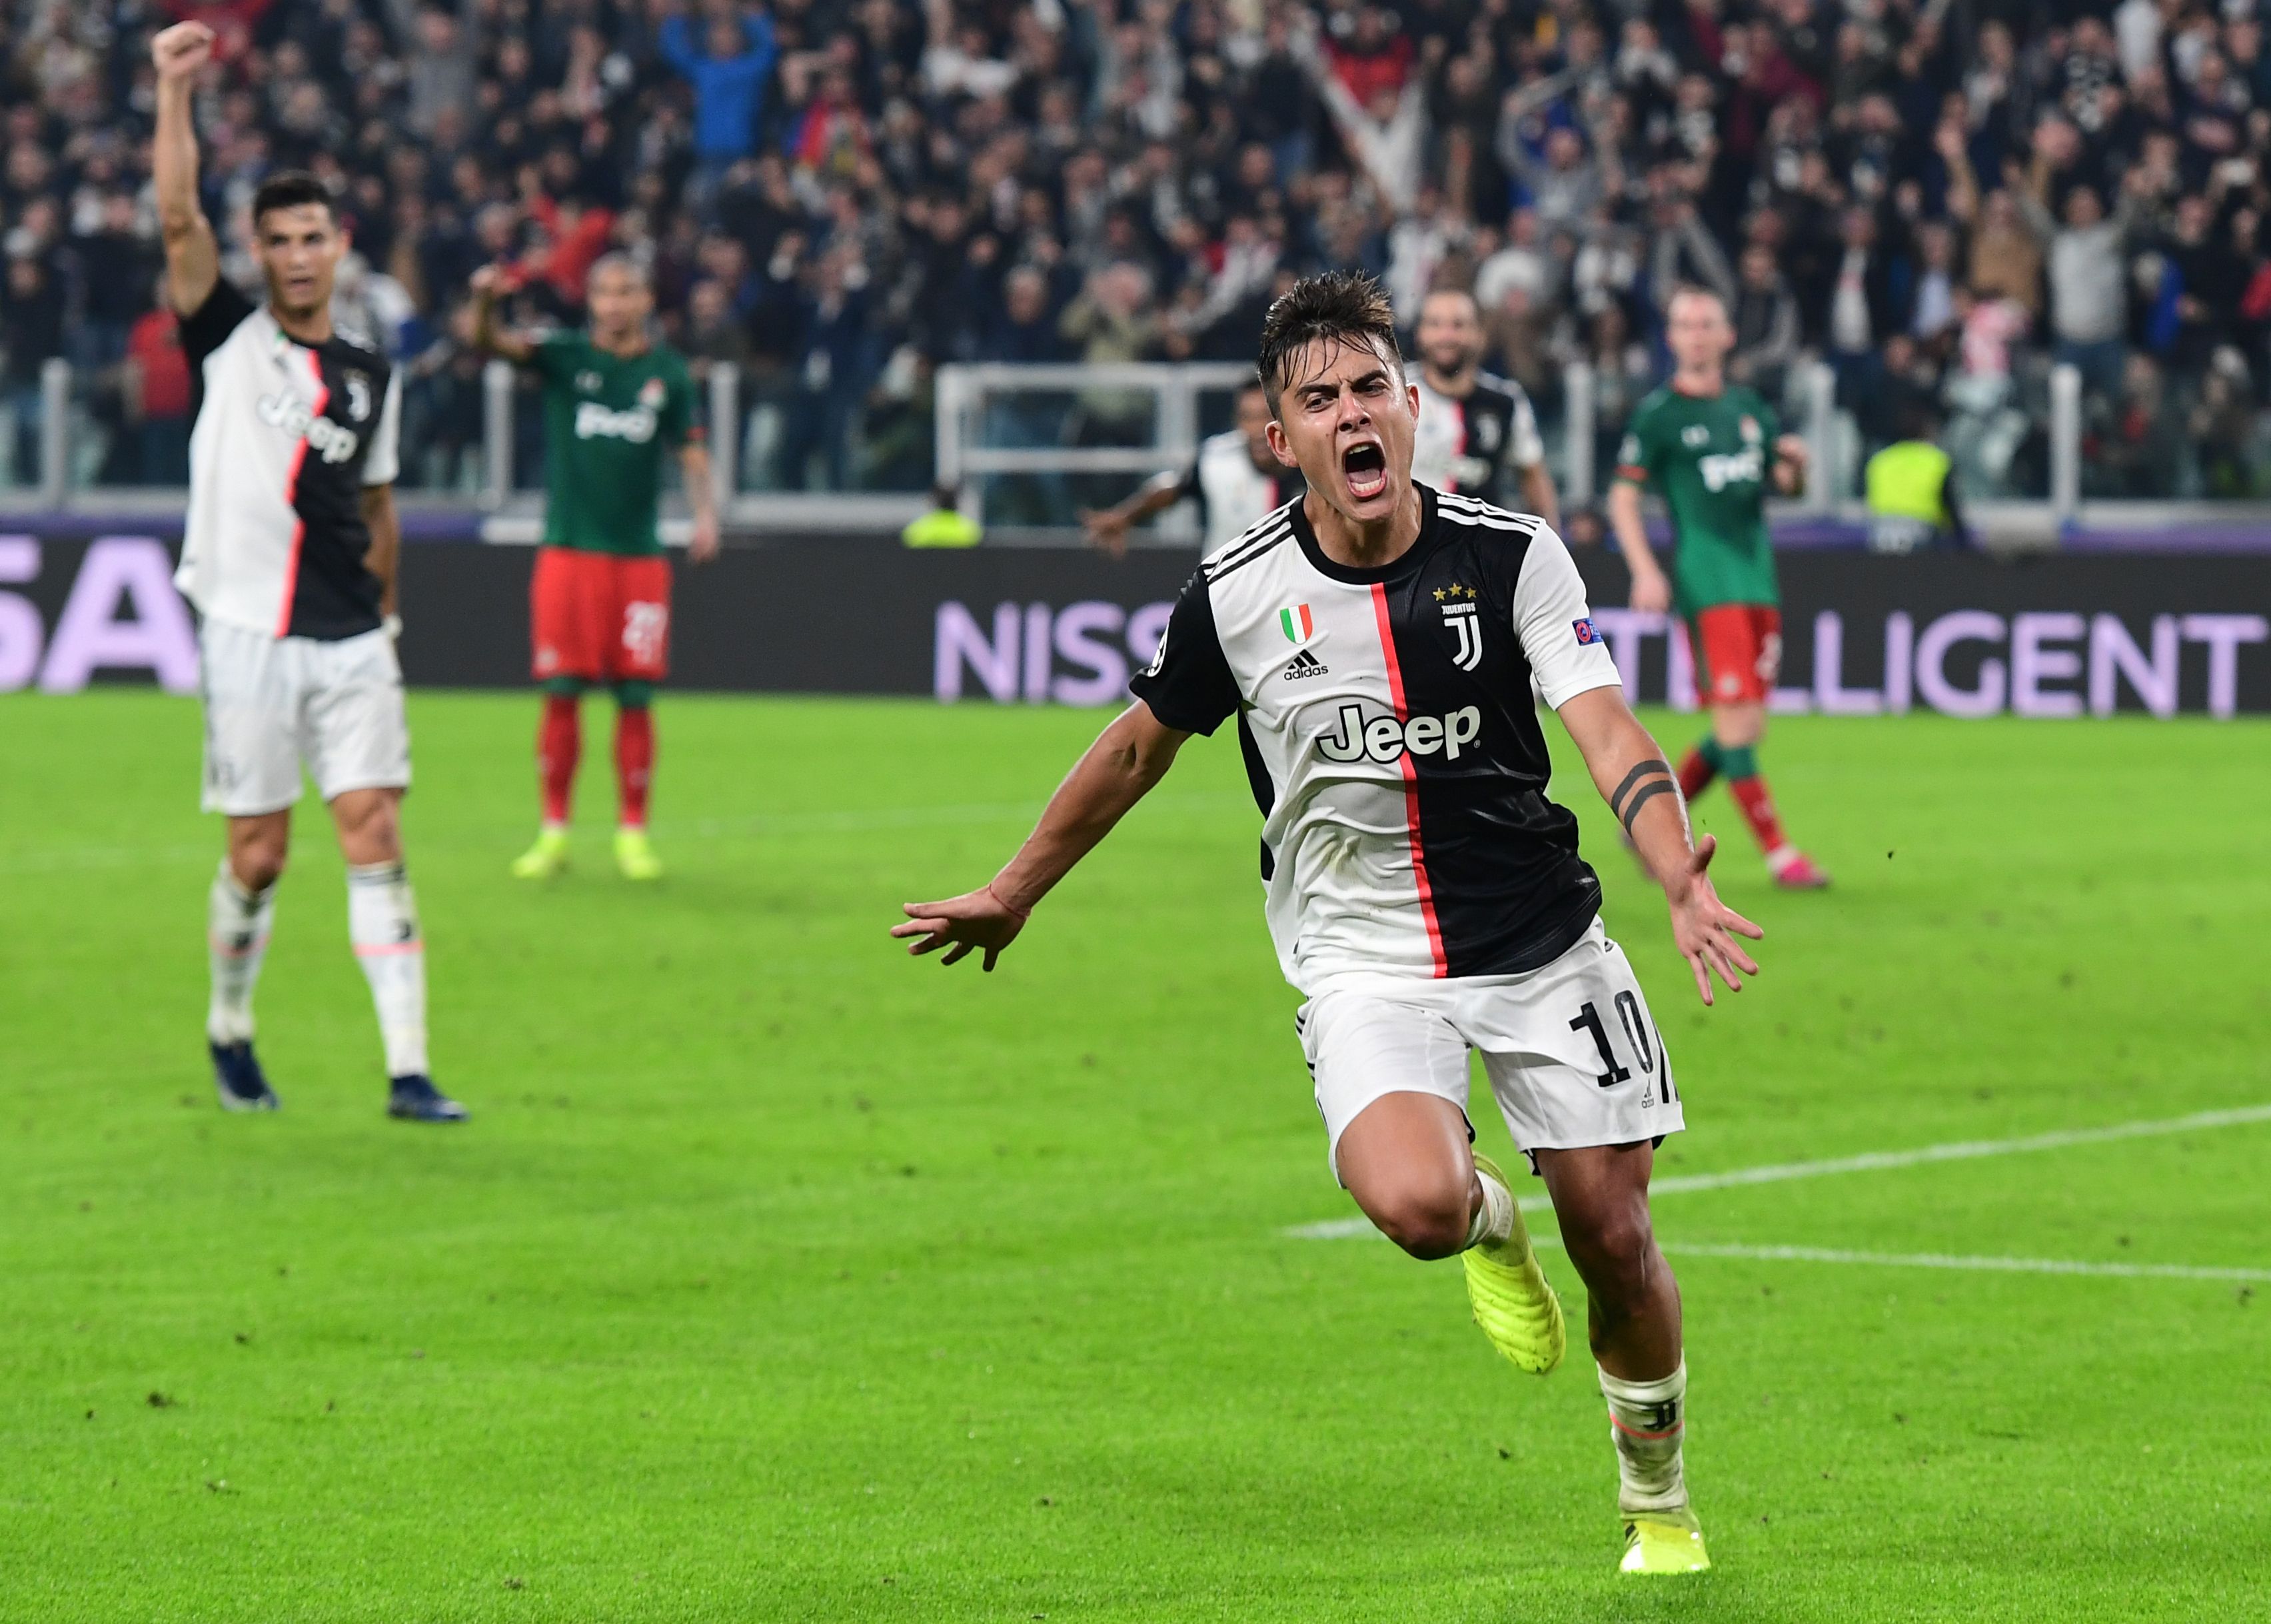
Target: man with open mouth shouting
x=1376 y=641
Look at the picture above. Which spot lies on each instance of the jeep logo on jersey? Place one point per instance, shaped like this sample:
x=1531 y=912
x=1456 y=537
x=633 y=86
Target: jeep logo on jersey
x=1296 y=623
x=594 y=421
x=332 y=442
x=1462 y=617
x=1384 y=738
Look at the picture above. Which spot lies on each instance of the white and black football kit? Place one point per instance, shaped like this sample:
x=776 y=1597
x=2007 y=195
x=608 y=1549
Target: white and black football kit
x=1475 y=446
x=1422 y=889
x=1232 y=495
x=296 y=666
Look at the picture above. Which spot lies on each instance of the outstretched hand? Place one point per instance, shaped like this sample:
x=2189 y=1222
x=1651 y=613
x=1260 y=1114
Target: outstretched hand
x=975 y=922
x=1706 y=929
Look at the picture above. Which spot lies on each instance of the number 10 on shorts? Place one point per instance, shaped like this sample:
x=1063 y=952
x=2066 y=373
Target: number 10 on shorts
x=1638 y=1038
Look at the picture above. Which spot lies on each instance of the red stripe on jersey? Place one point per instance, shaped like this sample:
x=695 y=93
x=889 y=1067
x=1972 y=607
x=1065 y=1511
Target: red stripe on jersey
x=292 y=500
x=1411 y=782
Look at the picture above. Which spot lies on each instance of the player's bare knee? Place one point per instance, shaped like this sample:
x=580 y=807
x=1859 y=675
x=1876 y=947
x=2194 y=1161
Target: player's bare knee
x=256 y=866
x=370 y=828
x=1616 y=1257
x=1427 y=1217
x=256 y=852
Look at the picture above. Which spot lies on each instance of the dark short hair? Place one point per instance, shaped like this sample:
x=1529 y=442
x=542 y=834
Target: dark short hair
x=289 y=189
x=1332 y=308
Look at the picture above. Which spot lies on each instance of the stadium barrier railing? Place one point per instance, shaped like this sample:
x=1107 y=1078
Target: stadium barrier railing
x=1071 y=435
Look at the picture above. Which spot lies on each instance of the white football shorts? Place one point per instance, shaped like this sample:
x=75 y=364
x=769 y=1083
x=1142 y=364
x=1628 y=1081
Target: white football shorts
x=272 y=703
x=1570 y=1049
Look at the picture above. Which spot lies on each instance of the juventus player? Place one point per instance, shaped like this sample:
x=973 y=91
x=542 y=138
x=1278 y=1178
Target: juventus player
x=1236 y=480
x=1475 y=428
x=289 y=557
x=1376 y=642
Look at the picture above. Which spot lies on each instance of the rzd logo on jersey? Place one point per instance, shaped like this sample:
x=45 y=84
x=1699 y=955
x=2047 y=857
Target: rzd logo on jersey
x=594 y=421
x=1736 y=468
x=1462 y=616
x=1384 y=738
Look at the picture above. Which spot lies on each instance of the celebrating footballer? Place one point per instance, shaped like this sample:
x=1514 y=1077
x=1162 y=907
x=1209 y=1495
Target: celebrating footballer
x=1376 y=642
x=288 y=554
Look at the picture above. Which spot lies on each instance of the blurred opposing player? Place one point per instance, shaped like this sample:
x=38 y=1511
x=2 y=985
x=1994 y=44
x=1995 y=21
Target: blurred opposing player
x=289 y=556
x=1376 y=642
x=1236 y=480
x=614 y=400
x=1477 y=436
x=1708 y=447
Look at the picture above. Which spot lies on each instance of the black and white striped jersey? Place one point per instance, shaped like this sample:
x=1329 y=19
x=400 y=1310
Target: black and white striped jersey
x=1392 y=739
x=285 y=437
x=1475 y=444
x=1233 y=495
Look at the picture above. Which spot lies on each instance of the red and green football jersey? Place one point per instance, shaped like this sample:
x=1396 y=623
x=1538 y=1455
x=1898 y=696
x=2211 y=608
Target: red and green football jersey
x=608 y=421
x=1708 y=457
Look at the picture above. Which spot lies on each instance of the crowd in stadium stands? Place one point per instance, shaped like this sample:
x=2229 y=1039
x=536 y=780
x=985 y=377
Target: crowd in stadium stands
x=1938 y=197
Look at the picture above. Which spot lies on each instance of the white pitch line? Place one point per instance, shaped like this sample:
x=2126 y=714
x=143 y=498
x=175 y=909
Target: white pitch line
x=1872 y=1161
x=1942 y=1260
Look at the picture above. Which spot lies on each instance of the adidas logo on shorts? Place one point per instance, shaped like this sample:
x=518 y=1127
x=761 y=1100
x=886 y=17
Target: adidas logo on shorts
x=1306 y=665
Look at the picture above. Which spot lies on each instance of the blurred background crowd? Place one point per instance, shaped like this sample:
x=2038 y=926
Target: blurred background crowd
x=1938 y=198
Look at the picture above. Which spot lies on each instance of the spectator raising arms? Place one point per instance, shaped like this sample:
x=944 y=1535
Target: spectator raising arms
x=879 y=187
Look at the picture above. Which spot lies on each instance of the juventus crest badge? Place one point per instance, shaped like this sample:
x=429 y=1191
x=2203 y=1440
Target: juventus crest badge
x=1462 y=618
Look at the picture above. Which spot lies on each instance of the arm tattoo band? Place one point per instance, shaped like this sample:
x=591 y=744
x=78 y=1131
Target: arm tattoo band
x=1650 y=768
x=1652 y=788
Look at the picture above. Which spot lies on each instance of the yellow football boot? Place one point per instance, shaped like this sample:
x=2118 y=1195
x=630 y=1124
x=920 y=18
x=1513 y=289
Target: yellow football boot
x=546 y=859
x=635 y=856
x=1512 y=1302
x=1663 y=1542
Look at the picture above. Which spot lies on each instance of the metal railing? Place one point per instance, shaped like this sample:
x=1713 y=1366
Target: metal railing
x=964 y=390
x=1833 y=441
x=1165 y=426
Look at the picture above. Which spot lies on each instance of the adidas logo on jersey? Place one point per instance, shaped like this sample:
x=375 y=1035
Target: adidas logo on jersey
x=1306 y=665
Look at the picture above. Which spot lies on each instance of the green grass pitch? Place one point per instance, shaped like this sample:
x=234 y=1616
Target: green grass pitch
x=779 y=1278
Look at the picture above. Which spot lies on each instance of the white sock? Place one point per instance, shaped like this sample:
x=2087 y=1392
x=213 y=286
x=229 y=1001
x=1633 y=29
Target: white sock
x=1647 y=1422
x=1493 y=1221
x=383 y=924
x=237 y=923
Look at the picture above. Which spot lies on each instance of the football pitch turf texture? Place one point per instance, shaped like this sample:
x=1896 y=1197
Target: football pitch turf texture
x=779 y=1277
